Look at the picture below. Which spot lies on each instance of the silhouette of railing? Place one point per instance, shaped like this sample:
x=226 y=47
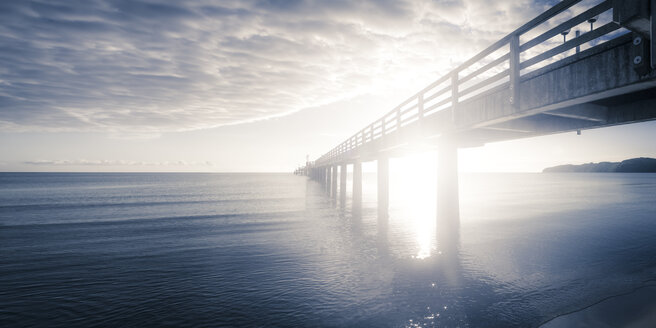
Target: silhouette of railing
x=448 y=91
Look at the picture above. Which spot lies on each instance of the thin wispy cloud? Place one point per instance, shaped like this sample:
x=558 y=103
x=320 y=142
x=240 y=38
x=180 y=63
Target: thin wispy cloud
x=84 y=162
x=157 y=66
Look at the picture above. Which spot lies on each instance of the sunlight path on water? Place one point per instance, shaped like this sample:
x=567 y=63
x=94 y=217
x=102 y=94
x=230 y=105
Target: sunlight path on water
x=413 y=195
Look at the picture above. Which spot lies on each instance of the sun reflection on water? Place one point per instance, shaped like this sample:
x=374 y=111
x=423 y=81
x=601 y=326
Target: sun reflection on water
x=414 y=178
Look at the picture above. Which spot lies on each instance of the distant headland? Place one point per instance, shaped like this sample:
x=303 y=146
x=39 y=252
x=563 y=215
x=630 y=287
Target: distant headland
x=634 y=165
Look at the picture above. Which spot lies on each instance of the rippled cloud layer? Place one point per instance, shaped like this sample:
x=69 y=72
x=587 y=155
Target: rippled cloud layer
x=103 y=65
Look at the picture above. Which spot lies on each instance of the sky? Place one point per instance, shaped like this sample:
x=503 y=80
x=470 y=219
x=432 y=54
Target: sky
x=245 y=86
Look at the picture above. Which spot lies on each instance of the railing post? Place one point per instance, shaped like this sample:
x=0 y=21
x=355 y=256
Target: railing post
x=514 y=70
x=357 y=187
x=383 y=188
x=398 y=118
x=342 y=184
x=333 y=183
x=454 y=95
x=420 y=111
x=652 y=32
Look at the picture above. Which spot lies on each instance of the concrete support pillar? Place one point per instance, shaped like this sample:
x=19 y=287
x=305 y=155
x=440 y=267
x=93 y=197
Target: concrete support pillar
x=333 y=184
x=357 y=187
x=383 y=188
x=448 y=206
x=342 y=184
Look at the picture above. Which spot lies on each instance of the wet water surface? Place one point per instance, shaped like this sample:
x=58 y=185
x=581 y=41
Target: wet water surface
x=274 y=250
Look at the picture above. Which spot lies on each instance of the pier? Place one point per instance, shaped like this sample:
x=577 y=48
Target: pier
x=521 y=86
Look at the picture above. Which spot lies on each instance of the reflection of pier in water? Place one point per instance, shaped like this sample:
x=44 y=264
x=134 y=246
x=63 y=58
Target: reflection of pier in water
x=523 y=85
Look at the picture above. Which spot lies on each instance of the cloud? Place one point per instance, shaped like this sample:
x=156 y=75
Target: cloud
x=84 y=162
x=148 y=67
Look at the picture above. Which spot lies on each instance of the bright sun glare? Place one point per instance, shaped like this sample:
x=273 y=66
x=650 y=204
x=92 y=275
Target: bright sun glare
x=414 y=179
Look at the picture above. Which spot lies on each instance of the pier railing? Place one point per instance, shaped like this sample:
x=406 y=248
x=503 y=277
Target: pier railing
x=499 y=66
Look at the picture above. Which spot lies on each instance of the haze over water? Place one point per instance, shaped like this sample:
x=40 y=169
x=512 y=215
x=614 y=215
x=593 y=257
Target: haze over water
x=84 y=250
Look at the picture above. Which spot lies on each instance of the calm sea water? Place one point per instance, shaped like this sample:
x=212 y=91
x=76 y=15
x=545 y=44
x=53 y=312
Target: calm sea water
x=264 y=250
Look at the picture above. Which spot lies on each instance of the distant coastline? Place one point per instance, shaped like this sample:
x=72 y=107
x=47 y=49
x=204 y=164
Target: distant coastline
x=634 y=165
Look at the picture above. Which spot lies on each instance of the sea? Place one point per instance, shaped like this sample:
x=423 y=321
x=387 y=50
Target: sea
x=277 y=250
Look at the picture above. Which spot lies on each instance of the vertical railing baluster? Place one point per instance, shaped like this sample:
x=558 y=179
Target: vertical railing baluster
x=420 y=106
x=652 y=34
x=454 y=95
x=514 y=70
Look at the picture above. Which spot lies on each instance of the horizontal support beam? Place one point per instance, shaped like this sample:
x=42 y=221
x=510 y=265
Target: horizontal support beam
x=588 y=112
x=506 y=129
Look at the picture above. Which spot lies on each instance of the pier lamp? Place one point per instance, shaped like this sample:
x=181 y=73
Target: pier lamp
x=564 y=33
x=592 y=20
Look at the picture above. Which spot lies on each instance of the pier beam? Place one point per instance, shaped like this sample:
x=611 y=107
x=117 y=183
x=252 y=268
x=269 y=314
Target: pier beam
x=448 y=207
x=333 y=184
x=357 y=188
x=342 y=184
x=383 y=188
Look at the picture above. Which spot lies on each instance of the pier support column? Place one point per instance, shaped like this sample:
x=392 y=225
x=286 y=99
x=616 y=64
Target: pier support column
x=333 y=184
x=342 y=184
x=383 y=188
x=357 y=188
x=326 y=178
x=448 y=207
